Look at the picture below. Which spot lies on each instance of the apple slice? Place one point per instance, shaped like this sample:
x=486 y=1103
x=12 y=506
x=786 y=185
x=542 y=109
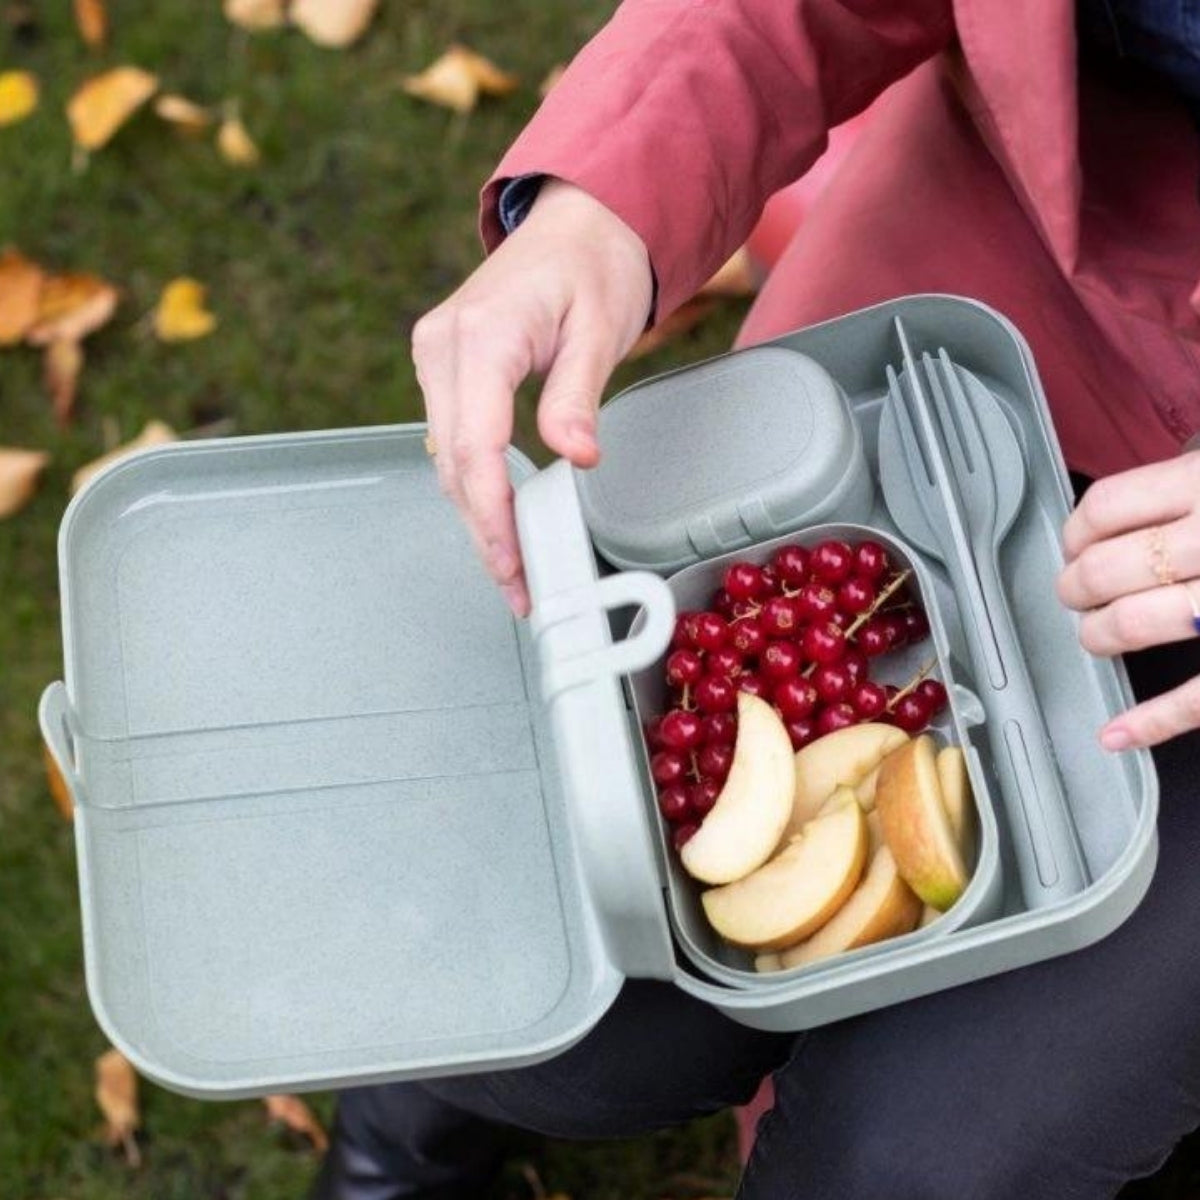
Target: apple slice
x=767 y=962
x=743 y=828
x=915 y=826
x=929 y=914
x=799 y=889
x=844 y=756
x=957 y=799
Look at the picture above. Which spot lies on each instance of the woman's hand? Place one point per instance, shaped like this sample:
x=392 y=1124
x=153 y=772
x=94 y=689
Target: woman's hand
x=1132 y=535
x=565 y=295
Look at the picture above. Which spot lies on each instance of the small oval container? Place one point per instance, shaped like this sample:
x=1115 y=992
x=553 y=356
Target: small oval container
x=702 y=462
x=692 y=589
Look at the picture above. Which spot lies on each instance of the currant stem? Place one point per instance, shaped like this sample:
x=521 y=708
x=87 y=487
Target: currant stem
x=880 y=600
x=912 y=683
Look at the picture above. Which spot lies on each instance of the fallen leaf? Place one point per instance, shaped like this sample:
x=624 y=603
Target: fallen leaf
x=235 y=143
x=59 y=792
x=256 y=15
x=156 y=433
x=102 y=105
x=19 y=473
x=458 y=78
x=181 y=315
x=18 y=96
x=184 y=114
x=686 y=316
x=292 y=1112
x=70 y=307
x=20 y=289
x=91 y=18
x=552 y=77
x=735 y=278
x=333 y=23
x=117 y=1096
x=61 y=368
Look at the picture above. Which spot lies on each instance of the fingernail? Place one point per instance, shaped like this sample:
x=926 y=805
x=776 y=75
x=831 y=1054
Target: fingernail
x=580 y=432
x=1116 y=739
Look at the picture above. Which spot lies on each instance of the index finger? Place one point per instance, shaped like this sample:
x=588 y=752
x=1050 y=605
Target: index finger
x=1131 y=500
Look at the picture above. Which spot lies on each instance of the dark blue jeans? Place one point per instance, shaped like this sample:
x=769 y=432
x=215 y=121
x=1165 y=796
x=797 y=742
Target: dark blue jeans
x=1058 y=1081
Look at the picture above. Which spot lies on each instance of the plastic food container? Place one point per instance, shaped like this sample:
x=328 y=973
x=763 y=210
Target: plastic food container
x=340 y=819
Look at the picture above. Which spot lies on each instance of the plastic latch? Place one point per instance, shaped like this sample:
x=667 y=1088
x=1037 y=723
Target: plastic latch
x=54 y=717
x=561 y=671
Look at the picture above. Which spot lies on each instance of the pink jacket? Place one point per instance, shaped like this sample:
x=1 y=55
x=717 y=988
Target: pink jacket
x=994 y=170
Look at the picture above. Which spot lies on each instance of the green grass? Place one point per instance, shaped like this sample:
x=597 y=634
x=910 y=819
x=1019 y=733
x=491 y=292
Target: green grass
x=361 y=216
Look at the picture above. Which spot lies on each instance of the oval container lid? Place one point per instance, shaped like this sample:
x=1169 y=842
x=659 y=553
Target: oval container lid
x=711 y=458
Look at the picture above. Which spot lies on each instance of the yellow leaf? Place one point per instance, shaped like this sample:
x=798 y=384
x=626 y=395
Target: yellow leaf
x=103 y=104
x=156 y=433
x=70 y=307
x=20 y=291
x=298 y=1117
x=184 y=114
x=59 y=792
x=19 y=473
x=552 y=77
x=235 y=143
x=333 y=23
x=18 y=96
x=685 y=317
x=181 y=315
x=117 y=1097
x=91 y=17
x=255 y=15
x=458 y=78
x=735 y=278
x=62 y=365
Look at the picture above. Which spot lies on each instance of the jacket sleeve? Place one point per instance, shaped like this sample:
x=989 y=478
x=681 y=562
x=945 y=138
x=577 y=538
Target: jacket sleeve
x=684 y=116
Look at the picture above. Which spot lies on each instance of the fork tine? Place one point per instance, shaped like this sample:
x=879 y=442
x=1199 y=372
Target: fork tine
x=961 y=460
x=968 y=418
x=914 y=451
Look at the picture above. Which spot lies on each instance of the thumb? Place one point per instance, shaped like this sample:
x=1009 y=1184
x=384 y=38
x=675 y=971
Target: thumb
x=570 y=399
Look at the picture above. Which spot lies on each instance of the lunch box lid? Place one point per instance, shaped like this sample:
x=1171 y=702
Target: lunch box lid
x=339 y=816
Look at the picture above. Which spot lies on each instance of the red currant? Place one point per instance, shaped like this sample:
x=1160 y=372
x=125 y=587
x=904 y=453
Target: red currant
x=726 y=661
x=710 y=630
x=683 y=667
x=795 y=699
x=747 y=637
x=744 y=581
x=683 y=833
x=770 y=581
x=832 y=682
x=836 y=716
x=843 y=620
x=714 y=761
x=722 y=603
x=856 y=594
x=916 y=625
x=780 y=660
x=673 y=802
x=715 y=693
x=681 y=637
x=911 y=712
x=870 y=560
x=779 y=617
x=791 y=564
x=816 y=602
x=654 y=734
x=823 y=643
x=933 y=691
x=855 y=662
x=892 y=625
x=801 y=731
x=667 y=767
x=872 y=639
x=753 y=684
x=682 y=730
x=869 y=699
x=704 y=795
x=831 y=561
x=720 y=729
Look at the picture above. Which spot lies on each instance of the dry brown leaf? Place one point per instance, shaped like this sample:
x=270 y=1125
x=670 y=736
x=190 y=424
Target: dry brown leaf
x=686 y=316
x=156 y=433
x=61 y=368
x=184 y=114
x=91 y=17
x=256 y=15
x=102 y=105
x=70 y=307
x=458 y=79
x=57 y=785
x=735 y=278
x=117 y=1097
x=235 y=143
x=18 y=96
x=333 y=23
x=298 y=1117
x=20 y=291
x=19 y=473
x=551 y=81
x=181 y=315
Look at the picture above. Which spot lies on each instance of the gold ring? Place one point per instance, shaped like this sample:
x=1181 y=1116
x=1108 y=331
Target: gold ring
x=1160 y=559
x=431 y=447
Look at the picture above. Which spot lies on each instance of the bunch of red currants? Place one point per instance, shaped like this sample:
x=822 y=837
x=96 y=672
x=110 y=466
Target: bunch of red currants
x=800 y=632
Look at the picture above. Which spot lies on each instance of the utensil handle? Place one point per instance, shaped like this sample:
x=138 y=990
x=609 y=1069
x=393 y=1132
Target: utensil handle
x=1049 y=858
